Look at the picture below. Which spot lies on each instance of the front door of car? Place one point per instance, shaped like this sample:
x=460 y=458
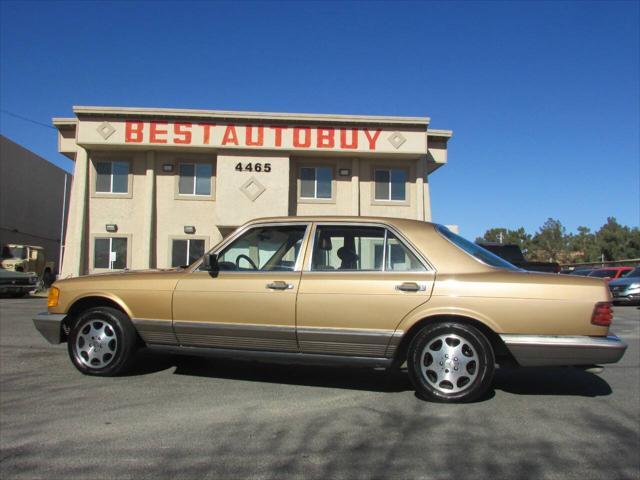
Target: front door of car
x=250 y=303
x=358 y=283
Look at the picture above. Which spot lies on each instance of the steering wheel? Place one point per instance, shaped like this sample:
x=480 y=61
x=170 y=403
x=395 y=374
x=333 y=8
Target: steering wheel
x=240 y=257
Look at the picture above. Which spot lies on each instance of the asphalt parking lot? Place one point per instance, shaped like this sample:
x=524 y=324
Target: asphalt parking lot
x=186 y=417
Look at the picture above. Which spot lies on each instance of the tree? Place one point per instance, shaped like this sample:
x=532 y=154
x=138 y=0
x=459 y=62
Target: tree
x=582 y=246
x=503 y=235
x=616 y=241
x=550 y=242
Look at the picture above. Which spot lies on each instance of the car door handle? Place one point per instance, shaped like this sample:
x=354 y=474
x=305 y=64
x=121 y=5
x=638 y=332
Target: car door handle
x=279 y=285
x=410 y=287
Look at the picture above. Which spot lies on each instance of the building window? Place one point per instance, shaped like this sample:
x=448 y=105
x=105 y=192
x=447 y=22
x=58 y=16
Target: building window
x=110 y=253
x=195 y=179
x=112 y=177
x=391 y=184
x=186 y=251
x=315 y=182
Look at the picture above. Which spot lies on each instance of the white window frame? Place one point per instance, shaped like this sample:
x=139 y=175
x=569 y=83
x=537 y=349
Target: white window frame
x=315 y=183
x=195 y=178
x=189 y=240
x=111 y=162
x=389 y=199
x=110 y=267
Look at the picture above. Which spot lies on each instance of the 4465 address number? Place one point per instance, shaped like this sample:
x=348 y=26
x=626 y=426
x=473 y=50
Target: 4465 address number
x=253 y=167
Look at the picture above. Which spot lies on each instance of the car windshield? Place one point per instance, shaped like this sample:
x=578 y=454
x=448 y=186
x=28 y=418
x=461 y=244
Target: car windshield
x=476 y=251
x=14 y=252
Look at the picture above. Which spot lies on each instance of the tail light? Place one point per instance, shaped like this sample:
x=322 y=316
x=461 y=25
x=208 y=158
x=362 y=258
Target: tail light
x=602 y=314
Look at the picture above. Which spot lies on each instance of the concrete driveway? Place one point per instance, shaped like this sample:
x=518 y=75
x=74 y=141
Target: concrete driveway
x=185 y=417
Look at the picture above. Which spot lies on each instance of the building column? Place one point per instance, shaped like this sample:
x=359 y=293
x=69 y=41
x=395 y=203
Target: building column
x=148 y=237
x=421 y=172
x=355 y=186
x=427 y=198
x=75 y=250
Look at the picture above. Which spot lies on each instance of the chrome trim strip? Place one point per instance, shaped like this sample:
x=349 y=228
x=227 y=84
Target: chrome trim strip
x=50 y=326
x=348 y=336
x=155 y=331
x=187 y=325
x=555 y=350
x=278 y=357
x=562 y=340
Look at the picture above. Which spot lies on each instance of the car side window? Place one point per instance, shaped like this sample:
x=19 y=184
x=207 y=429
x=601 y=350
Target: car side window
x=399 y=258
x=356 y=248
x=265 y=249
x=347 y=248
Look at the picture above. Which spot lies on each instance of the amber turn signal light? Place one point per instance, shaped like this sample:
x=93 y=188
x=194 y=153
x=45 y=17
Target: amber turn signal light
x=54 y=295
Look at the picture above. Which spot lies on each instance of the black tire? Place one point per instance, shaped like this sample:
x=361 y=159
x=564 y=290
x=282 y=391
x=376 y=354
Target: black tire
x=431 y=363
x=102 y=342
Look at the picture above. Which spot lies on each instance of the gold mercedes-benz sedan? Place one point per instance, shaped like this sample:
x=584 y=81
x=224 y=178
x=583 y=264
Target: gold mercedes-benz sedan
x=374 y=292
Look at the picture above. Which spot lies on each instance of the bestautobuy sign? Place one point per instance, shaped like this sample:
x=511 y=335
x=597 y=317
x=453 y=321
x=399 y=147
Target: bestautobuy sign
x=162 y=133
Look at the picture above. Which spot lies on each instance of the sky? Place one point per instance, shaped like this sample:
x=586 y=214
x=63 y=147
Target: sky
x=543 y=97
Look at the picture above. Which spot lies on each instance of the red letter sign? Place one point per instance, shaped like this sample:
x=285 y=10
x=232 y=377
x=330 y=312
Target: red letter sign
x=249 y=136
x=133 y=132
x=278 y=135
x=354 y=139
x=372 y=140
x=206 y=132
x=307 y=137
x=325 y=138
x=154 y=132
x=230 y=135
x=182 y=133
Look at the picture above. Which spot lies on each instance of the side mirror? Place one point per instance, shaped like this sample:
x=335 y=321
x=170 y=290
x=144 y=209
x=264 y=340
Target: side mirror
x=210 y=262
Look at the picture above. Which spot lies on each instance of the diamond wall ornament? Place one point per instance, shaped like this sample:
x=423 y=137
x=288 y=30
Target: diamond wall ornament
x=105 y=130
x=252 y=188
x=396 y=139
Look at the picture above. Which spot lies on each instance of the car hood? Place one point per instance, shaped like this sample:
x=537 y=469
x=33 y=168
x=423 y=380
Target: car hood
x=624 y=281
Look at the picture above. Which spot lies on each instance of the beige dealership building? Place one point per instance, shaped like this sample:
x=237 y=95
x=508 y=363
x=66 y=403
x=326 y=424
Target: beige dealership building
x=157 y=187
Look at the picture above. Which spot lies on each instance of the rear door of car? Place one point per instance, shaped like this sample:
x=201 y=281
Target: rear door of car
x=359 y=281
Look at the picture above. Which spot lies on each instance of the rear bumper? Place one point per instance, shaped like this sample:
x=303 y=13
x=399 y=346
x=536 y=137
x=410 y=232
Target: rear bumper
x=50 y=326
x=548 y=350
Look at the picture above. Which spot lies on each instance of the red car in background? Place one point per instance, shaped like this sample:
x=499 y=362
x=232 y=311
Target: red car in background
x=610 y=273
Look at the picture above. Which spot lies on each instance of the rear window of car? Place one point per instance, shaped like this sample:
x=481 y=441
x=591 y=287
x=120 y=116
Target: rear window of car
x=476 y=251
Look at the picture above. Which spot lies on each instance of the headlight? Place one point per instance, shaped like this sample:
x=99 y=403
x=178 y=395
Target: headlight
x=54 y=295
x=634 y=285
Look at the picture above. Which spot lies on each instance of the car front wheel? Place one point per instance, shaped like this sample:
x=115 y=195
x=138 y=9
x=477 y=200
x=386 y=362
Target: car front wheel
x=450 y=362
x=102 y=342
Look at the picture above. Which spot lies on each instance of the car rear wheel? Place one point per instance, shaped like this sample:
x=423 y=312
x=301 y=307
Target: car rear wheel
x=450 y=362
x=102 y=342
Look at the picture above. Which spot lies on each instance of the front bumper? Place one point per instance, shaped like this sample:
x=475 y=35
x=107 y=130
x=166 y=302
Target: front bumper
x=548 y=350
x=626 y=296
x=50 y=326
x=18 y=288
